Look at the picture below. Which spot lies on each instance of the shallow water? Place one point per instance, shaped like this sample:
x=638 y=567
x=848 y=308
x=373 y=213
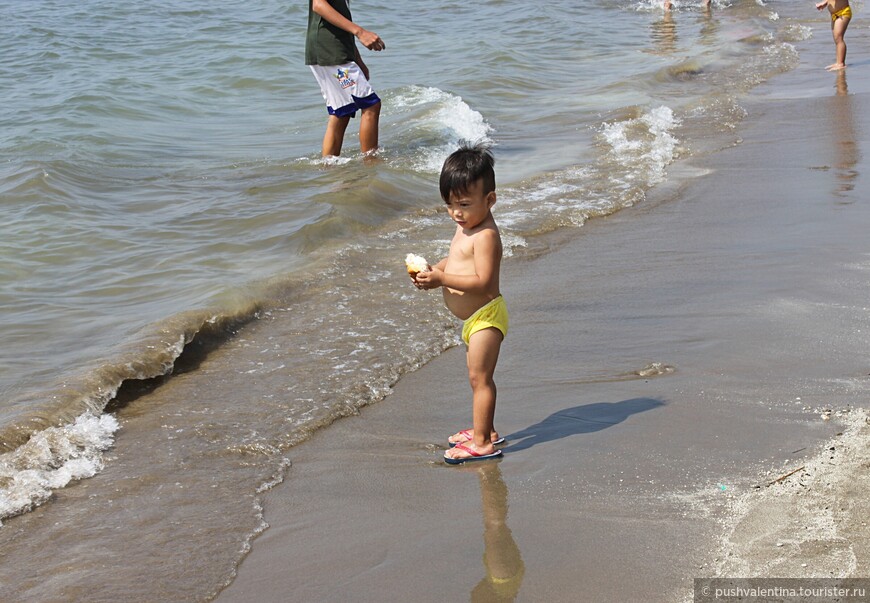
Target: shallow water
x=163 y=196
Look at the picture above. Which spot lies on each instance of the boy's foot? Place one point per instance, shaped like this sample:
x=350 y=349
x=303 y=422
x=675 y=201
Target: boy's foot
x=463 y=453
x=835 y=67
x=466 y=435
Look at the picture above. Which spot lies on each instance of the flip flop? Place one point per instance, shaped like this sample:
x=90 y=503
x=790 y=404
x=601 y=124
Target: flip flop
x=475 y=456
x=467 y=434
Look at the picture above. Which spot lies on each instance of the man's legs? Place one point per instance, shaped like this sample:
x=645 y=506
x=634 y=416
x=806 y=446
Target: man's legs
x=368 y=128
x=334 y=137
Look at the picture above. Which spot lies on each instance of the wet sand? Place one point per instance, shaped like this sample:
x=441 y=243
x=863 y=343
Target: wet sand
x=663 y=367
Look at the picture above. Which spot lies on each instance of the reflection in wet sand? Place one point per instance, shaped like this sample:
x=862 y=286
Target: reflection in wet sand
x=709 y=27
x=664 y=34
x=501 y=558
x=846 y=151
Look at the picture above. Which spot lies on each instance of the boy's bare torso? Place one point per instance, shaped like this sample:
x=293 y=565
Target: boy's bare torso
x=837 y=5
x=460 y=261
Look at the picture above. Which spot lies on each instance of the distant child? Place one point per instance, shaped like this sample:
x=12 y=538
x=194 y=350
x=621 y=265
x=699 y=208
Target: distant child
x=841 y=14
x=332 y=54
x=668 y=5
x=469 y=276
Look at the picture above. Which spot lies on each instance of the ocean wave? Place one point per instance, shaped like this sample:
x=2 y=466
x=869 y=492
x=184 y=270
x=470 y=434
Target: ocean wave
x=51 y=459
x=54 y=436
x=429 y=123
x=631 y=156
x=642 y=146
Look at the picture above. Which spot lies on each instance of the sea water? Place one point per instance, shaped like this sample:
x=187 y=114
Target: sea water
x=168 y=223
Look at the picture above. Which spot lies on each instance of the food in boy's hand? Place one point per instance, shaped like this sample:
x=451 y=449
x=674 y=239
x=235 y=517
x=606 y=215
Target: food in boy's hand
x=415 y=264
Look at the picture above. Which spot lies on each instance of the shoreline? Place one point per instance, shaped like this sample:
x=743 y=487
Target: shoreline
x=742 y=287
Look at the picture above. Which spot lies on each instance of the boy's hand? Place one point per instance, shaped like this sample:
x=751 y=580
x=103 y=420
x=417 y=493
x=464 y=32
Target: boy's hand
x=429 y=280
x=370 y=40
x=821 y=5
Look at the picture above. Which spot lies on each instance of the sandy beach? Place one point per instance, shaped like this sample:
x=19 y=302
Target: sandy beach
x=735 y=301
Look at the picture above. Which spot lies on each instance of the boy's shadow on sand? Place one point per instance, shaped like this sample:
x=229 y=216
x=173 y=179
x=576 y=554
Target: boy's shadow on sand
x=579 y=419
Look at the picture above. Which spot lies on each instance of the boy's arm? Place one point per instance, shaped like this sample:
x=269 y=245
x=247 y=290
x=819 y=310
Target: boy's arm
x=487 y=258
x=369 y=39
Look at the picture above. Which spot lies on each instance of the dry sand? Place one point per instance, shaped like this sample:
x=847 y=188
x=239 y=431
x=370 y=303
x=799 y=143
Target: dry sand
x=811 y=523
x=663 y=367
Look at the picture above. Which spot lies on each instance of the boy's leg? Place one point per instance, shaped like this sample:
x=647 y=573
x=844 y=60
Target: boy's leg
x=839 y=29
x=482 y=356
x=334 y=136
x=368 y=128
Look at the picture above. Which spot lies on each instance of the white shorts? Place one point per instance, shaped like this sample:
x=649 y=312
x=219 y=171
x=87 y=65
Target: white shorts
x=345 y=88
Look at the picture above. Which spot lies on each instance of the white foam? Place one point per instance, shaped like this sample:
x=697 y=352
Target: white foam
x=51 y=459
x=415 y=96
x=444 y=115
x=783 y=53
x=644 y=145
x=327 y=161
x=797 y=32
x=654 y=5
x=461 y=119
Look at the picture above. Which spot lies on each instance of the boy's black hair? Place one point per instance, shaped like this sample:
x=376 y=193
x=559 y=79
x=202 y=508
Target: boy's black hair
x=465 y=166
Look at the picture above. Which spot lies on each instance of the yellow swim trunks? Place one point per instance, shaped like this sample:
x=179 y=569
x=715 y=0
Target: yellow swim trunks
x=846 y=13
x=493 y=314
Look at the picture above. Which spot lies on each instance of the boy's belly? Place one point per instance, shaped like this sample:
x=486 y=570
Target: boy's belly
x=463 y=305
x=838 y=6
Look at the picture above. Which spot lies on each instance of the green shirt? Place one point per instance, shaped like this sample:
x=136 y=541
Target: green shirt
x=326 y=44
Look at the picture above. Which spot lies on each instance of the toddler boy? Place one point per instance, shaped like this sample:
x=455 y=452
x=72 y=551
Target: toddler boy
x=469 y=278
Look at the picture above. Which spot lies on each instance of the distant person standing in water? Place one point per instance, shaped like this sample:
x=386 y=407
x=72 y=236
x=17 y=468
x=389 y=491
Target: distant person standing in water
x=841 y=14
x=669 y=5
x=331 y=52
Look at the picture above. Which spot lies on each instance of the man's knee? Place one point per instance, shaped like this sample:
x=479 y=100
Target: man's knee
x=372 y=110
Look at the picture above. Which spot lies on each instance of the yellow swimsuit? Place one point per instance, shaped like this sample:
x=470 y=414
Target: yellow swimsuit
x=846 y=13
x=493 y=314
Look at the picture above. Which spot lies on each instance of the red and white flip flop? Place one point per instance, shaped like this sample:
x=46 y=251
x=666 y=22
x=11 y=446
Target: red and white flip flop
x=475 y=456
x=468 y=435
